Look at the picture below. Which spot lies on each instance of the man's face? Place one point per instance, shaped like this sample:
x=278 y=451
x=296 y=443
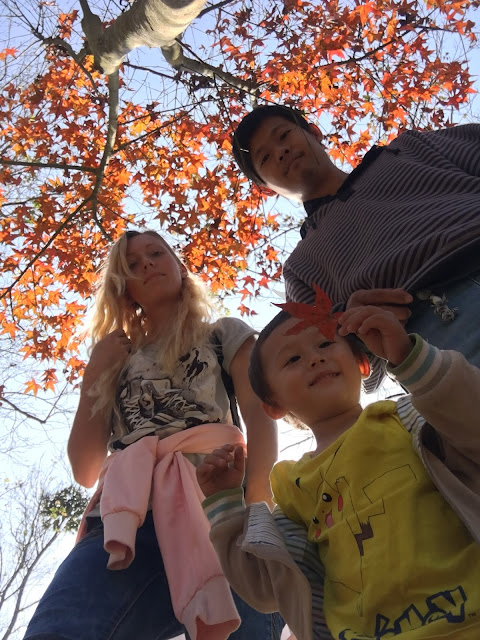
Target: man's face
x=291 y=161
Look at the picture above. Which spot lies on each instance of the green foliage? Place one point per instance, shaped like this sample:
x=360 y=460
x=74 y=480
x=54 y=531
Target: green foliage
x=63 y=509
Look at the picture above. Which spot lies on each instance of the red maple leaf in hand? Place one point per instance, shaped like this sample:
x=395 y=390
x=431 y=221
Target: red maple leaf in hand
x=317 y=315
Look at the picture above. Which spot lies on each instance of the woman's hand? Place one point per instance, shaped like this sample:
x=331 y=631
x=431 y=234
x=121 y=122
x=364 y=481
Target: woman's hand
x=380 y=330
x=110 y=352
x=222 y=469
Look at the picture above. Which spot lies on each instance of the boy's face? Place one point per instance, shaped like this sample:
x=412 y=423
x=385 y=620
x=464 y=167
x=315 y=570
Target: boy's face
x=309 y=376
x=288 y=158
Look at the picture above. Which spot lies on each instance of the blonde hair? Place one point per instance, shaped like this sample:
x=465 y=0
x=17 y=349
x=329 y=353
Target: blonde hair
x=115 y=310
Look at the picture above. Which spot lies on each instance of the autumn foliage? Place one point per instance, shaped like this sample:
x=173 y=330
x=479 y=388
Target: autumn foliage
x=361 y=70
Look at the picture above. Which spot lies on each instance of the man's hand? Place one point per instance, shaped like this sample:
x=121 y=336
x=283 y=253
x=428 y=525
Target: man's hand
x=380 y=330
x=393 y=300
x=222 y=469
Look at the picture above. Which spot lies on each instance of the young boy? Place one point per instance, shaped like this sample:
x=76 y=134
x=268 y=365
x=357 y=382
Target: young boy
x=389 y=500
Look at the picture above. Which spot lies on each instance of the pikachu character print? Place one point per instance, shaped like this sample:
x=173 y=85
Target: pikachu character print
x=346 y=522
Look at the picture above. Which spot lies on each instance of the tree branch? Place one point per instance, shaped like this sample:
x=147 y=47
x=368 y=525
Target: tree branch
x=17 y=203
x=156 y=73
x=157 y=129
x=24 y=546
x=174 y=56
x=67 y=47
x=113 y=99
x=150 y=23
x=21 y=411
x=48 y=165
x=23 y=584
x=212 y=7
x=62 y=226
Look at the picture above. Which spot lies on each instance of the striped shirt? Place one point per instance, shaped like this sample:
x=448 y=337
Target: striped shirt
x=270 y=536
x=408 y=216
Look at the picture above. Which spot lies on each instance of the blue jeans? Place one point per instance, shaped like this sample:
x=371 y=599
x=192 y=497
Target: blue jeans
x=463 y=332
x=87 y=601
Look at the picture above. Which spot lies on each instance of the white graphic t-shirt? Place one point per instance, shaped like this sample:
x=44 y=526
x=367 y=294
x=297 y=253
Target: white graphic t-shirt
x=151 y=402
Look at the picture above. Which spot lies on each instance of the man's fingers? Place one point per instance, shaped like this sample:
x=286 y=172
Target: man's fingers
x=379 y=297
x=387 y=296
x=401 y=313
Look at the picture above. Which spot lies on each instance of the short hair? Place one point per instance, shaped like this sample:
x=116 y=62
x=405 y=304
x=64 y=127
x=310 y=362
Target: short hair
x=256 y=371
x=250 y=124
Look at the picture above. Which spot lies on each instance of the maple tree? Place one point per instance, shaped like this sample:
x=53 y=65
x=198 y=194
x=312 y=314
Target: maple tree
x=98 y=136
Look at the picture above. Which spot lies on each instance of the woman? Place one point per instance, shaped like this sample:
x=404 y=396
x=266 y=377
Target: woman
x=153 y=376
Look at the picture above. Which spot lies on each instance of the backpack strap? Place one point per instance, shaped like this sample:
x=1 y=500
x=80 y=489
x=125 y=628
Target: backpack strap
x=227 y=380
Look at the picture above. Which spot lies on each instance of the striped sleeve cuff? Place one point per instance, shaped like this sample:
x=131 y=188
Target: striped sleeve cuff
x=223 y=505
x=423 y=369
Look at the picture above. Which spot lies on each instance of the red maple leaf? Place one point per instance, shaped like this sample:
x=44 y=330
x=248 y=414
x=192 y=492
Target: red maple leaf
x=317 y=315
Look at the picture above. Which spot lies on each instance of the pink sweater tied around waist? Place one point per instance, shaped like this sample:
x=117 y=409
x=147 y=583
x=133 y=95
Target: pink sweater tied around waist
x=201 y=596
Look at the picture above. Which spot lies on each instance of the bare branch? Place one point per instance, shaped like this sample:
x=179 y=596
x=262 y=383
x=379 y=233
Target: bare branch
x=48 y=165
x=296 y=444
x=155 y=73
x=18 y=203
x=21 y=411
x=20 y=591
x=174 y=56
x=212 y=7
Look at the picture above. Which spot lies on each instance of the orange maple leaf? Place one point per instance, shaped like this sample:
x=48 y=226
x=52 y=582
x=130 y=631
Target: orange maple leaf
x=7 y=52
x=33 y=386
x=335 y=52
x=317 y=315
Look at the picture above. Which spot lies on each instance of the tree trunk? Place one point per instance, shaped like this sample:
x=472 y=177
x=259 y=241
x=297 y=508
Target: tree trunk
x=148 y=23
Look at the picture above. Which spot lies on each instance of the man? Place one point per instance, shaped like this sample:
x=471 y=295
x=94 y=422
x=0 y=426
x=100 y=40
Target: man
x=403 y=227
